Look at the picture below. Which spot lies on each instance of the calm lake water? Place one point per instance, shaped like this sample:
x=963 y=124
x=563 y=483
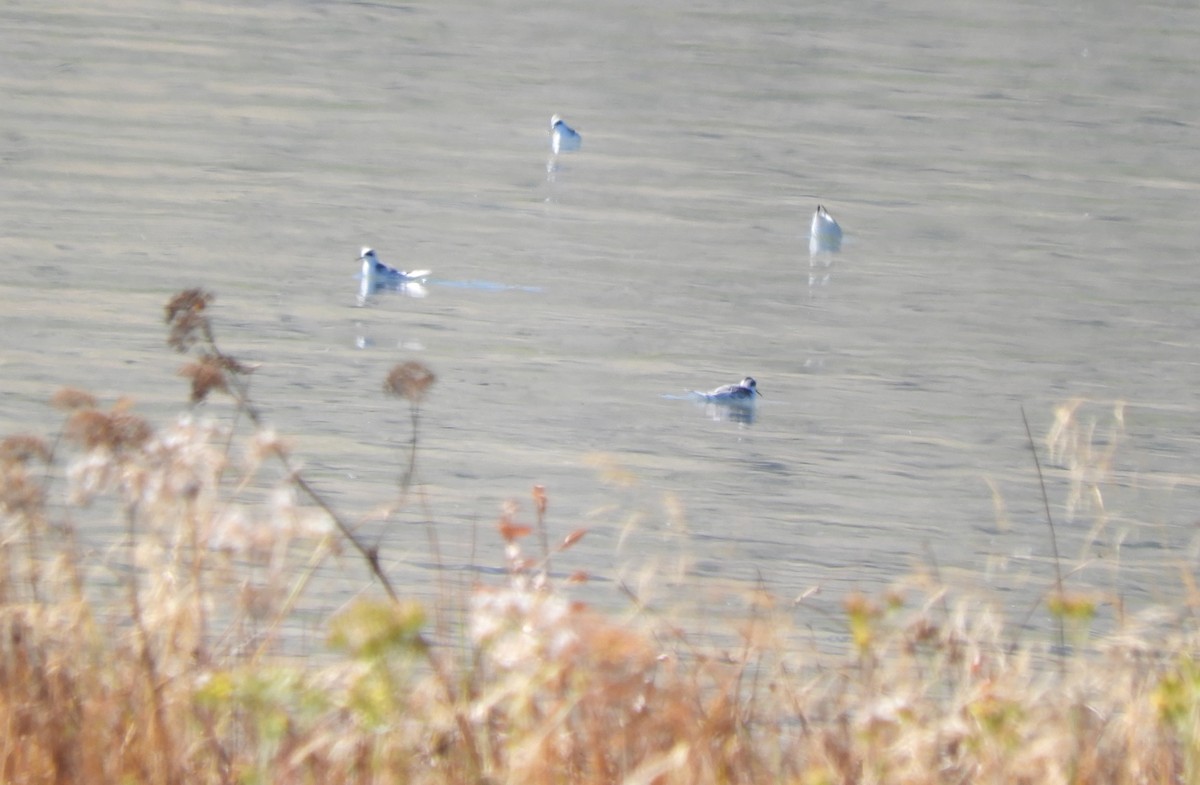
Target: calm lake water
x=1017 y=182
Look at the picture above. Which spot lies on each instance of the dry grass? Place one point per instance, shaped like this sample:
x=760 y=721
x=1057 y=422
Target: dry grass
x=173 y=678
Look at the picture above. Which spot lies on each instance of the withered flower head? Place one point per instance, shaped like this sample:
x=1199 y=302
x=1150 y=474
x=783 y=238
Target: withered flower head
x=131 y=431
x=22 y=449
x=88 y=428
x=184 y=314
x=116 y=430
x=189 y=300
x=20 y=494
x=70 y=398
x=207 y=374
x=409 y=380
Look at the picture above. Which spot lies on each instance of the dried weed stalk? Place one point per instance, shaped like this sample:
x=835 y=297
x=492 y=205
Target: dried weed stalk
x=538 y=688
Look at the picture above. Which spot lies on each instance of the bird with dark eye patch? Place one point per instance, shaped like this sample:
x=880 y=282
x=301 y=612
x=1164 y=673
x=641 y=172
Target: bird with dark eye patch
x=562 y=136
x=743 y=392
x=826 y=234
x=373 y=268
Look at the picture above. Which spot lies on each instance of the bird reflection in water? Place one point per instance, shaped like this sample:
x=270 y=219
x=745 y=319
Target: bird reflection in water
x=368 y=288
x=732 y=411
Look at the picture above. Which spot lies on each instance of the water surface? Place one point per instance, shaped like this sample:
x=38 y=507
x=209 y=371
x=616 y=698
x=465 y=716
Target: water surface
x=1016 y=183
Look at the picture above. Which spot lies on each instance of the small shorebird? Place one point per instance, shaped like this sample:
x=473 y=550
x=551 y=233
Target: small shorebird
x=825 y=235
x=562 y=136
x=743 y=392
x=373 y=268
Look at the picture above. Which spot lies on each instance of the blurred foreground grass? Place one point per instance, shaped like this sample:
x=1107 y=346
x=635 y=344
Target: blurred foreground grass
x=175 y=677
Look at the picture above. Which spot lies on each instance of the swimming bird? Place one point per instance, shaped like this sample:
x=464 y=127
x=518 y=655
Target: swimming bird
x=373 y=268
x=825 y=235
x=562 y=136
x=743 y=392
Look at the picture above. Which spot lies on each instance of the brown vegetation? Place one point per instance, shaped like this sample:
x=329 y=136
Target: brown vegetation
x=173 y=678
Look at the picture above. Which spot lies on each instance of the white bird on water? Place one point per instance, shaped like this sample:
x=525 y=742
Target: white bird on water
x=743 y=392
x=825 y=234
x=562 y=136
x=372 y=268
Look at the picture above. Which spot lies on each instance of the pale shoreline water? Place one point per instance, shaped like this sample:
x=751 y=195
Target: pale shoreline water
x=1014 y=184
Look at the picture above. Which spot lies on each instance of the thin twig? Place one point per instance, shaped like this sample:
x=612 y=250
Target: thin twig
x=1058 y=580
x=237 y=387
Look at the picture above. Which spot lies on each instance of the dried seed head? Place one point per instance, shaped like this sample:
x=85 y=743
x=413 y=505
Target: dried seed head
x=207 y=374
x=511 y=531
x=88 y=428
x=184 y=315
x=22 y=449
x=131 y=431
x=572 y=538
x=409 y=380
x=189 y=300
x=115 y=431
x=20 y=494
x=70 y=398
